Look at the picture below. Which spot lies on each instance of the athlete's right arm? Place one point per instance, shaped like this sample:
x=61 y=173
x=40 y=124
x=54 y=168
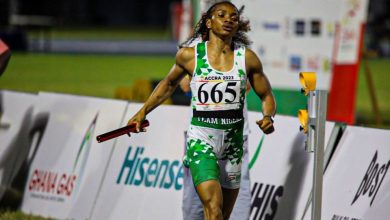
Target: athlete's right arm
x=184 y=65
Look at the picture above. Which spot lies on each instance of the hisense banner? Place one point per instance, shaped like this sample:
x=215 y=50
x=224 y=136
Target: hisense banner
x=357 y=182
x=69 y=165
x=281 y=171
x=293 y=36
x=144 y=179
x=16 y=134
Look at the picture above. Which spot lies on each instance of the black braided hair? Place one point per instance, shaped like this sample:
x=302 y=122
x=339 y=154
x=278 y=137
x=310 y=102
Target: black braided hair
x=201 y=30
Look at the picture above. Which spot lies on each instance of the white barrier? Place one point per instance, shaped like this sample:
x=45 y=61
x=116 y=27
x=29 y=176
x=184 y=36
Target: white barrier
x=145 y=175
x=280 y=169
x=16 y=110
x=356 y=182
x=143 y=178
x=68 y=168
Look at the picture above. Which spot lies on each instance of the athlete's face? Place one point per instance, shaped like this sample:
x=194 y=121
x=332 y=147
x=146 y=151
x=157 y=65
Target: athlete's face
x=224 y=20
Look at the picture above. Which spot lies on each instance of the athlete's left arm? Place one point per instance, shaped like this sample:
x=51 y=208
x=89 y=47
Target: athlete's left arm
x=262 y=88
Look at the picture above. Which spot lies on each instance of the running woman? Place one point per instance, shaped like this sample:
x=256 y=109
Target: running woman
x=219 y=67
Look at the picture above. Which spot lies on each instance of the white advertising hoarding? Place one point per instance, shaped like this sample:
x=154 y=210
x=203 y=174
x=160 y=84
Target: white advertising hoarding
x=69 y=165
x=281 y=171
x=145 y=175
x=356 y=182
x=16 y=122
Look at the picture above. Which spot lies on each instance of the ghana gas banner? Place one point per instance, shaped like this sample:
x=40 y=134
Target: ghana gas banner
x=17 y=129
x=357 y=180
x=144 y=179
x=69 y=164
x=293 y=36
x=281 y=171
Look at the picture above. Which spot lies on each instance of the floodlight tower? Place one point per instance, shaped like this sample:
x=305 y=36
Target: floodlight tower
x=312 y=122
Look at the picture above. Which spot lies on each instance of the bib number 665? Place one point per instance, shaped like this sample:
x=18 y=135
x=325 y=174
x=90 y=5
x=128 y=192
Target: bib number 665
x=216 y=94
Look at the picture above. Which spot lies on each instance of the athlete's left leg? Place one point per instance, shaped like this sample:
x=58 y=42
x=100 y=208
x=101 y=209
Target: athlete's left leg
x=241 y=210
x=229 y=199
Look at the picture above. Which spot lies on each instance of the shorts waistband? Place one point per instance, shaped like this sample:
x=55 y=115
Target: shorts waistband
x=217 y=123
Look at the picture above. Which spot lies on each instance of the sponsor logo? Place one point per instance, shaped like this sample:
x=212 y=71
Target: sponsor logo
x=330 y=29
x=372 y=179
x=313 y=62
x=274 y=26
x=349 y=35
x=295 y=63
x=265 y=200
x=299 y=27
x=257 y=153
x=52 y=182
x=56 y=186
x=326 y=65
x=137 y=171
x=315 y=27
x=83 y=152
x=233 y=177
x=353 y=9
x=230 y=178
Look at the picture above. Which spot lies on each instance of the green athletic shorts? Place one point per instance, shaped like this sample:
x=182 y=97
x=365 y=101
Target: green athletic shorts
x=214 y=151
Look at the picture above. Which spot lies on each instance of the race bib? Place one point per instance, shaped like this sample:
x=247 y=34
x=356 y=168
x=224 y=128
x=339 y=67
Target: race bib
x=217 y=93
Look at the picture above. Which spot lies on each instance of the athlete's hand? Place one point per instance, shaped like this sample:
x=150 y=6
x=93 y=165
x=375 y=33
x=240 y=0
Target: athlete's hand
x=266 y=125
x=137 y=119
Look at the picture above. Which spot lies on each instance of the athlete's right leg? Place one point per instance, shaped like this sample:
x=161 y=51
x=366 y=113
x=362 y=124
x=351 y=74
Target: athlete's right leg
x=204 y=168
x=203 y=164
x=201 y=158
x=210 y=194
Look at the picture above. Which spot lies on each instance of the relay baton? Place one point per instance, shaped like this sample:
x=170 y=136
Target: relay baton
x=120 y=131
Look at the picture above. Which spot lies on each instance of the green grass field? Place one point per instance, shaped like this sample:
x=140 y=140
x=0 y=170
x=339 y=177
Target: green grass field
x=100 y=75
x=91 y=75
x=18 y=215
x=380 y=70
x=106 y=33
